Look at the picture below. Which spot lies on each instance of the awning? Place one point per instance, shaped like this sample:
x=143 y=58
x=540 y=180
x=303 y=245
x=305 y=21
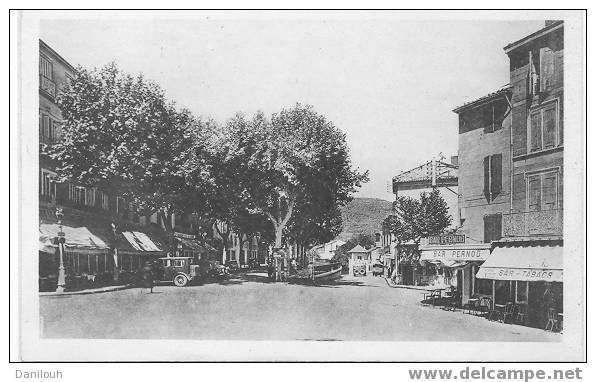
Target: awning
x=79 y=238
x=194 y=245
x=454 y=255
x=140 y=242
x=531 y=263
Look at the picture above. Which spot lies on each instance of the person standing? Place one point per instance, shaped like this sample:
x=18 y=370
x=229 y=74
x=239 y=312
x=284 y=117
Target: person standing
x=147 y=276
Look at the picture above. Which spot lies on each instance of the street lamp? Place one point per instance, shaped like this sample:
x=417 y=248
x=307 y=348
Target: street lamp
x=115 y=254
x=61 y=239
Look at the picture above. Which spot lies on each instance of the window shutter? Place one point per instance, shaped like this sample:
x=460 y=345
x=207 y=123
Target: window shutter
x=534 y=200
x=549 y=119
x=547 y=69
x=535 y=131
x=497 y=227
x=487 y=178
x=496 y=175
x=487 y=229
x=549 y=191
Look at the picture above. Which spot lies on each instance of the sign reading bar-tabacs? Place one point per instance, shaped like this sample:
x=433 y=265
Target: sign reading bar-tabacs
x=446 y=239
x=521 y=274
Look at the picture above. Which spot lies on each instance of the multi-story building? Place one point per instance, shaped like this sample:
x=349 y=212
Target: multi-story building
x=434 y=174
x=106 y=238
x=525 y=265
x=484 y=181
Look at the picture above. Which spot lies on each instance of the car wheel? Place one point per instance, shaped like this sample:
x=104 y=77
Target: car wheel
x=180 y=280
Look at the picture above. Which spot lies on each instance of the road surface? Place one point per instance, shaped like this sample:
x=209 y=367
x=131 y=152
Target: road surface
x=248 y=307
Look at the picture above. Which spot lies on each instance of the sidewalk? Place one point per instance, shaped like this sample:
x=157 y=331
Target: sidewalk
x=88 y=291
x=415 y=287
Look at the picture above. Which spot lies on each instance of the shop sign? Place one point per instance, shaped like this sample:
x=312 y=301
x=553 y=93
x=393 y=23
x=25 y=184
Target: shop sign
x=523 y=274
x=446 y=239
x=184 y=236
x=472 y=254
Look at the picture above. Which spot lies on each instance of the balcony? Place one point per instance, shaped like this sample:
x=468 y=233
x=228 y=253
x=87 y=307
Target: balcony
x=533 y=223
x=48 y=86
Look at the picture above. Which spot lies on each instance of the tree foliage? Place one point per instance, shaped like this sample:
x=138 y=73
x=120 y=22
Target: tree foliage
x=296 y=160
x=414 y=219
x=121 y=134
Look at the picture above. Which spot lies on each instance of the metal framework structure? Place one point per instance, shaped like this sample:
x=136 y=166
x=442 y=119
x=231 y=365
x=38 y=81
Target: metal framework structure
x=434 y=173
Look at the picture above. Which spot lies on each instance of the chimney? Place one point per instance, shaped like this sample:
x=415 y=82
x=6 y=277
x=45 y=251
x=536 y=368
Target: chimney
x=454 y=160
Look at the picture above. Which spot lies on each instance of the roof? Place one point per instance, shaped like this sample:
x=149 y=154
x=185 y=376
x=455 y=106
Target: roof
x=57 y=55
x=506 y=90
x=445 y=172
x=358 y=249
x=547 y=29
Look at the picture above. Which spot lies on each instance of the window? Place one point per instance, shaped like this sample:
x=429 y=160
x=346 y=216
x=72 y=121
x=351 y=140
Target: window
x=543 y=127
x=105 y=201
x=492 y=227
x=120 y=205
x=45 y=67
x=81 y=195
x=90 y=197
x=542 y=191
x=48 y=186
x=493 y=174
x=547 y=69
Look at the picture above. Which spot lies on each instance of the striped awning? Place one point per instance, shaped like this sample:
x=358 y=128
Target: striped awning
x=140 y=242
x=524 y=263
x=76 y=238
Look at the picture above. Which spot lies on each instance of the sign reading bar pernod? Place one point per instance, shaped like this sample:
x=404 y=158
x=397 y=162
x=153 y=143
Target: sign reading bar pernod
x=472 y=254
x=446 y=239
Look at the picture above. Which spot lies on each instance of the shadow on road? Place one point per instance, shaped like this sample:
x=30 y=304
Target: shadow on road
x=261 y=277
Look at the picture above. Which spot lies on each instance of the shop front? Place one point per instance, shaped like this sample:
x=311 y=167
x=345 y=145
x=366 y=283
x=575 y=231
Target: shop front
x=133 y=249
x=530 y=276
x=454 y=266
x=86 y=257
x=189 y=246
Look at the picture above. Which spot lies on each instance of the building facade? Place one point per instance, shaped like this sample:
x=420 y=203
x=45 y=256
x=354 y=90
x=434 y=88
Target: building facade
x=527 y=262
x=106 y=239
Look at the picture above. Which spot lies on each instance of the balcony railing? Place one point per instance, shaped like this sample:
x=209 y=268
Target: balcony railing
x=47 y=86
x=533 y=223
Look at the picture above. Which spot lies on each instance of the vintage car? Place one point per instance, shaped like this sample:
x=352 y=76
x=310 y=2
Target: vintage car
x=377 y=269
x=359 y=268
x=180 y=270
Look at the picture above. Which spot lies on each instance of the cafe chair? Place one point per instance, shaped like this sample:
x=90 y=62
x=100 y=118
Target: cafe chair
x=522 y=314
x=485 y=306
x=510 y=312
x=471 y=305
x=552 y=322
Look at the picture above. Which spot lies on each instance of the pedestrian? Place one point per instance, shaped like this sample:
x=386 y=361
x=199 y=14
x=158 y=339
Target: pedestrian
x=147 y=276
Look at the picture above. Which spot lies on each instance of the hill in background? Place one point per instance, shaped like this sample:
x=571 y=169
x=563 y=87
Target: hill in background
x=363 y=215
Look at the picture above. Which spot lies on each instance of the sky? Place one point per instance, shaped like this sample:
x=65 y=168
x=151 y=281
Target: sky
x=390 y=85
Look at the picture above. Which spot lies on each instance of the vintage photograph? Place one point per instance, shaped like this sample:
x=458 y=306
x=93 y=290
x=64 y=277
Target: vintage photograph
x=382 y=178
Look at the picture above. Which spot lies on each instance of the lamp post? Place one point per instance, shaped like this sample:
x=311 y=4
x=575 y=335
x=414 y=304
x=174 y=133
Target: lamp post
x=115 y=254
x=61 y=240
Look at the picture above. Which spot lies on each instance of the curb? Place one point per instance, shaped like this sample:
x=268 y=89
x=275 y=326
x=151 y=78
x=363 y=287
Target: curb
x=413 y=287
x=87 y=291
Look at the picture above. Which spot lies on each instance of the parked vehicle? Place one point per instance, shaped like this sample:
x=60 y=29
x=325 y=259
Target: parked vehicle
x=233 y=266
x=377 y=269
x=359 y=268
x=180 y=270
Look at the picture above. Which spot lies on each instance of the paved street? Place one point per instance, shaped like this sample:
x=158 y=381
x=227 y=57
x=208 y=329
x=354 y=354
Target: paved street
x=247 y=307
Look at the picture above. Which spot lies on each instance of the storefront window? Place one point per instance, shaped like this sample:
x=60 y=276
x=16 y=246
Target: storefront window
x=92 y=263
x=483 y=286
x=84 y=264
x=522 y=291
x=101 y=264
